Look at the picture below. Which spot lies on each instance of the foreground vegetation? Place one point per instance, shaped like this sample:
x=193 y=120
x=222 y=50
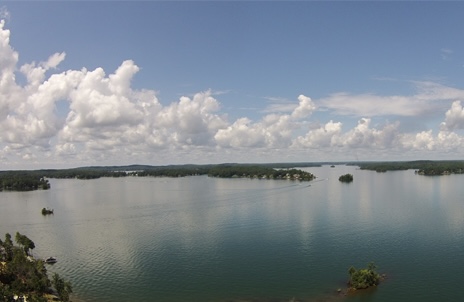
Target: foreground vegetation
x=25 y=277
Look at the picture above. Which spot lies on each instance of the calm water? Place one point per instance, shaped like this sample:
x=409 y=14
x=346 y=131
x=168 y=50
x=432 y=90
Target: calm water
x=207 y=239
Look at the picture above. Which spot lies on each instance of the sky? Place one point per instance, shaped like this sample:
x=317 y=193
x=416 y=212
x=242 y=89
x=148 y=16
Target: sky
x=160 y=83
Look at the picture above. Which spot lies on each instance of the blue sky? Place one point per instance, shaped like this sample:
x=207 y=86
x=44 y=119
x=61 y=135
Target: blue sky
x=105 y=83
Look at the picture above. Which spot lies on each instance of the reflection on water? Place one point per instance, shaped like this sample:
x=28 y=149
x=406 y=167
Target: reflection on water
x=207 y=239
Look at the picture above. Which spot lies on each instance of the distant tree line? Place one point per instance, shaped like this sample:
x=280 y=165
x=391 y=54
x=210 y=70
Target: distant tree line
x=422 y=167
x=22 y=181
x=172 y=171
x=38 y=179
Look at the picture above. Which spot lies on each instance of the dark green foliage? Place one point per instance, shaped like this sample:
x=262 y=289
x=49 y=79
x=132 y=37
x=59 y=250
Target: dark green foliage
x=249 y=171
x=23 y=275
x=22 y=181
x=27 y=274
x=173 y=171
x=346 y=178
x=63 y=288
x=25 y=242
x=7 y=245
x=363 y=278
x=46 y=211
x=34 y=180
x=423 y=167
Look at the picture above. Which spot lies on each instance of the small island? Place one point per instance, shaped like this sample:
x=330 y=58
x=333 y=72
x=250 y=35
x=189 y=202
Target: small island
x=363 y=278
x=346 y=178
x=47 y=211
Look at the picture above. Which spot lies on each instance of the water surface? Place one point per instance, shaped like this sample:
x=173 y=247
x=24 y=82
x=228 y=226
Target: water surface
x=209 y=239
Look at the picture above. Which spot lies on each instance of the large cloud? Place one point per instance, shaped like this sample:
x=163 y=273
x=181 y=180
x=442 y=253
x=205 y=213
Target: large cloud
x=273 y=131
x=105 y=114
x=26 y=113
x=8 y=60
x=191 y=121
x=326 y=136
x=362 y=136
x=78 y=117
x=454 y=117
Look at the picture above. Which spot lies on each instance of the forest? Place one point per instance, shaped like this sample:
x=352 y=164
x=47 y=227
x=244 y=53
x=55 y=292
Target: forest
x=22 y=181
x=262 y=172
x=28 y=180
x=37 y=179
x=422 y=167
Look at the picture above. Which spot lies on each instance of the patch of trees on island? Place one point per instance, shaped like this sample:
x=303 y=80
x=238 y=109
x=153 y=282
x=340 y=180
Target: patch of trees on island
x=346 y=178
x=363 y=278
x=261 y=172
x=22 y=277
x=46 y=211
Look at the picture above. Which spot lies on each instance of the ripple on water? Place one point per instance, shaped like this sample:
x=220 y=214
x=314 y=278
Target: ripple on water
x=147 y=243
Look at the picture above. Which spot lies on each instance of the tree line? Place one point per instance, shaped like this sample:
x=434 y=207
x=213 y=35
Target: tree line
x=422 y=167
x=22 y=181
x=38 y=179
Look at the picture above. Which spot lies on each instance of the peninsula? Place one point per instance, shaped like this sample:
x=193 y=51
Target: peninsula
x=38 y=179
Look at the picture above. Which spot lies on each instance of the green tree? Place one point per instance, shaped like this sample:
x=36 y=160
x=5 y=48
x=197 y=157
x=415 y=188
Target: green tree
x=346 y=178
x=363 y=278
x=25 y=242
x=25 y=276
x=63 y=288
x=8 y=246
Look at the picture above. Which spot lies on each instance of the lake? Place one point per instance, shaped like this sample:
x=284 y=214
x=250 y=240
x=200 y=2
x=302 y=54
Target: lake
x=209 y=239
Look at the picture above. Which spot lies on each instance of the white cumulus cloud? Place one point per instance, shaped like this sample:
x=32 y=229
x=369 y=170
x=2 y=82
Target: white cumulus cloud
x=105 y=120
x=326 y=136
x=454 y=117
